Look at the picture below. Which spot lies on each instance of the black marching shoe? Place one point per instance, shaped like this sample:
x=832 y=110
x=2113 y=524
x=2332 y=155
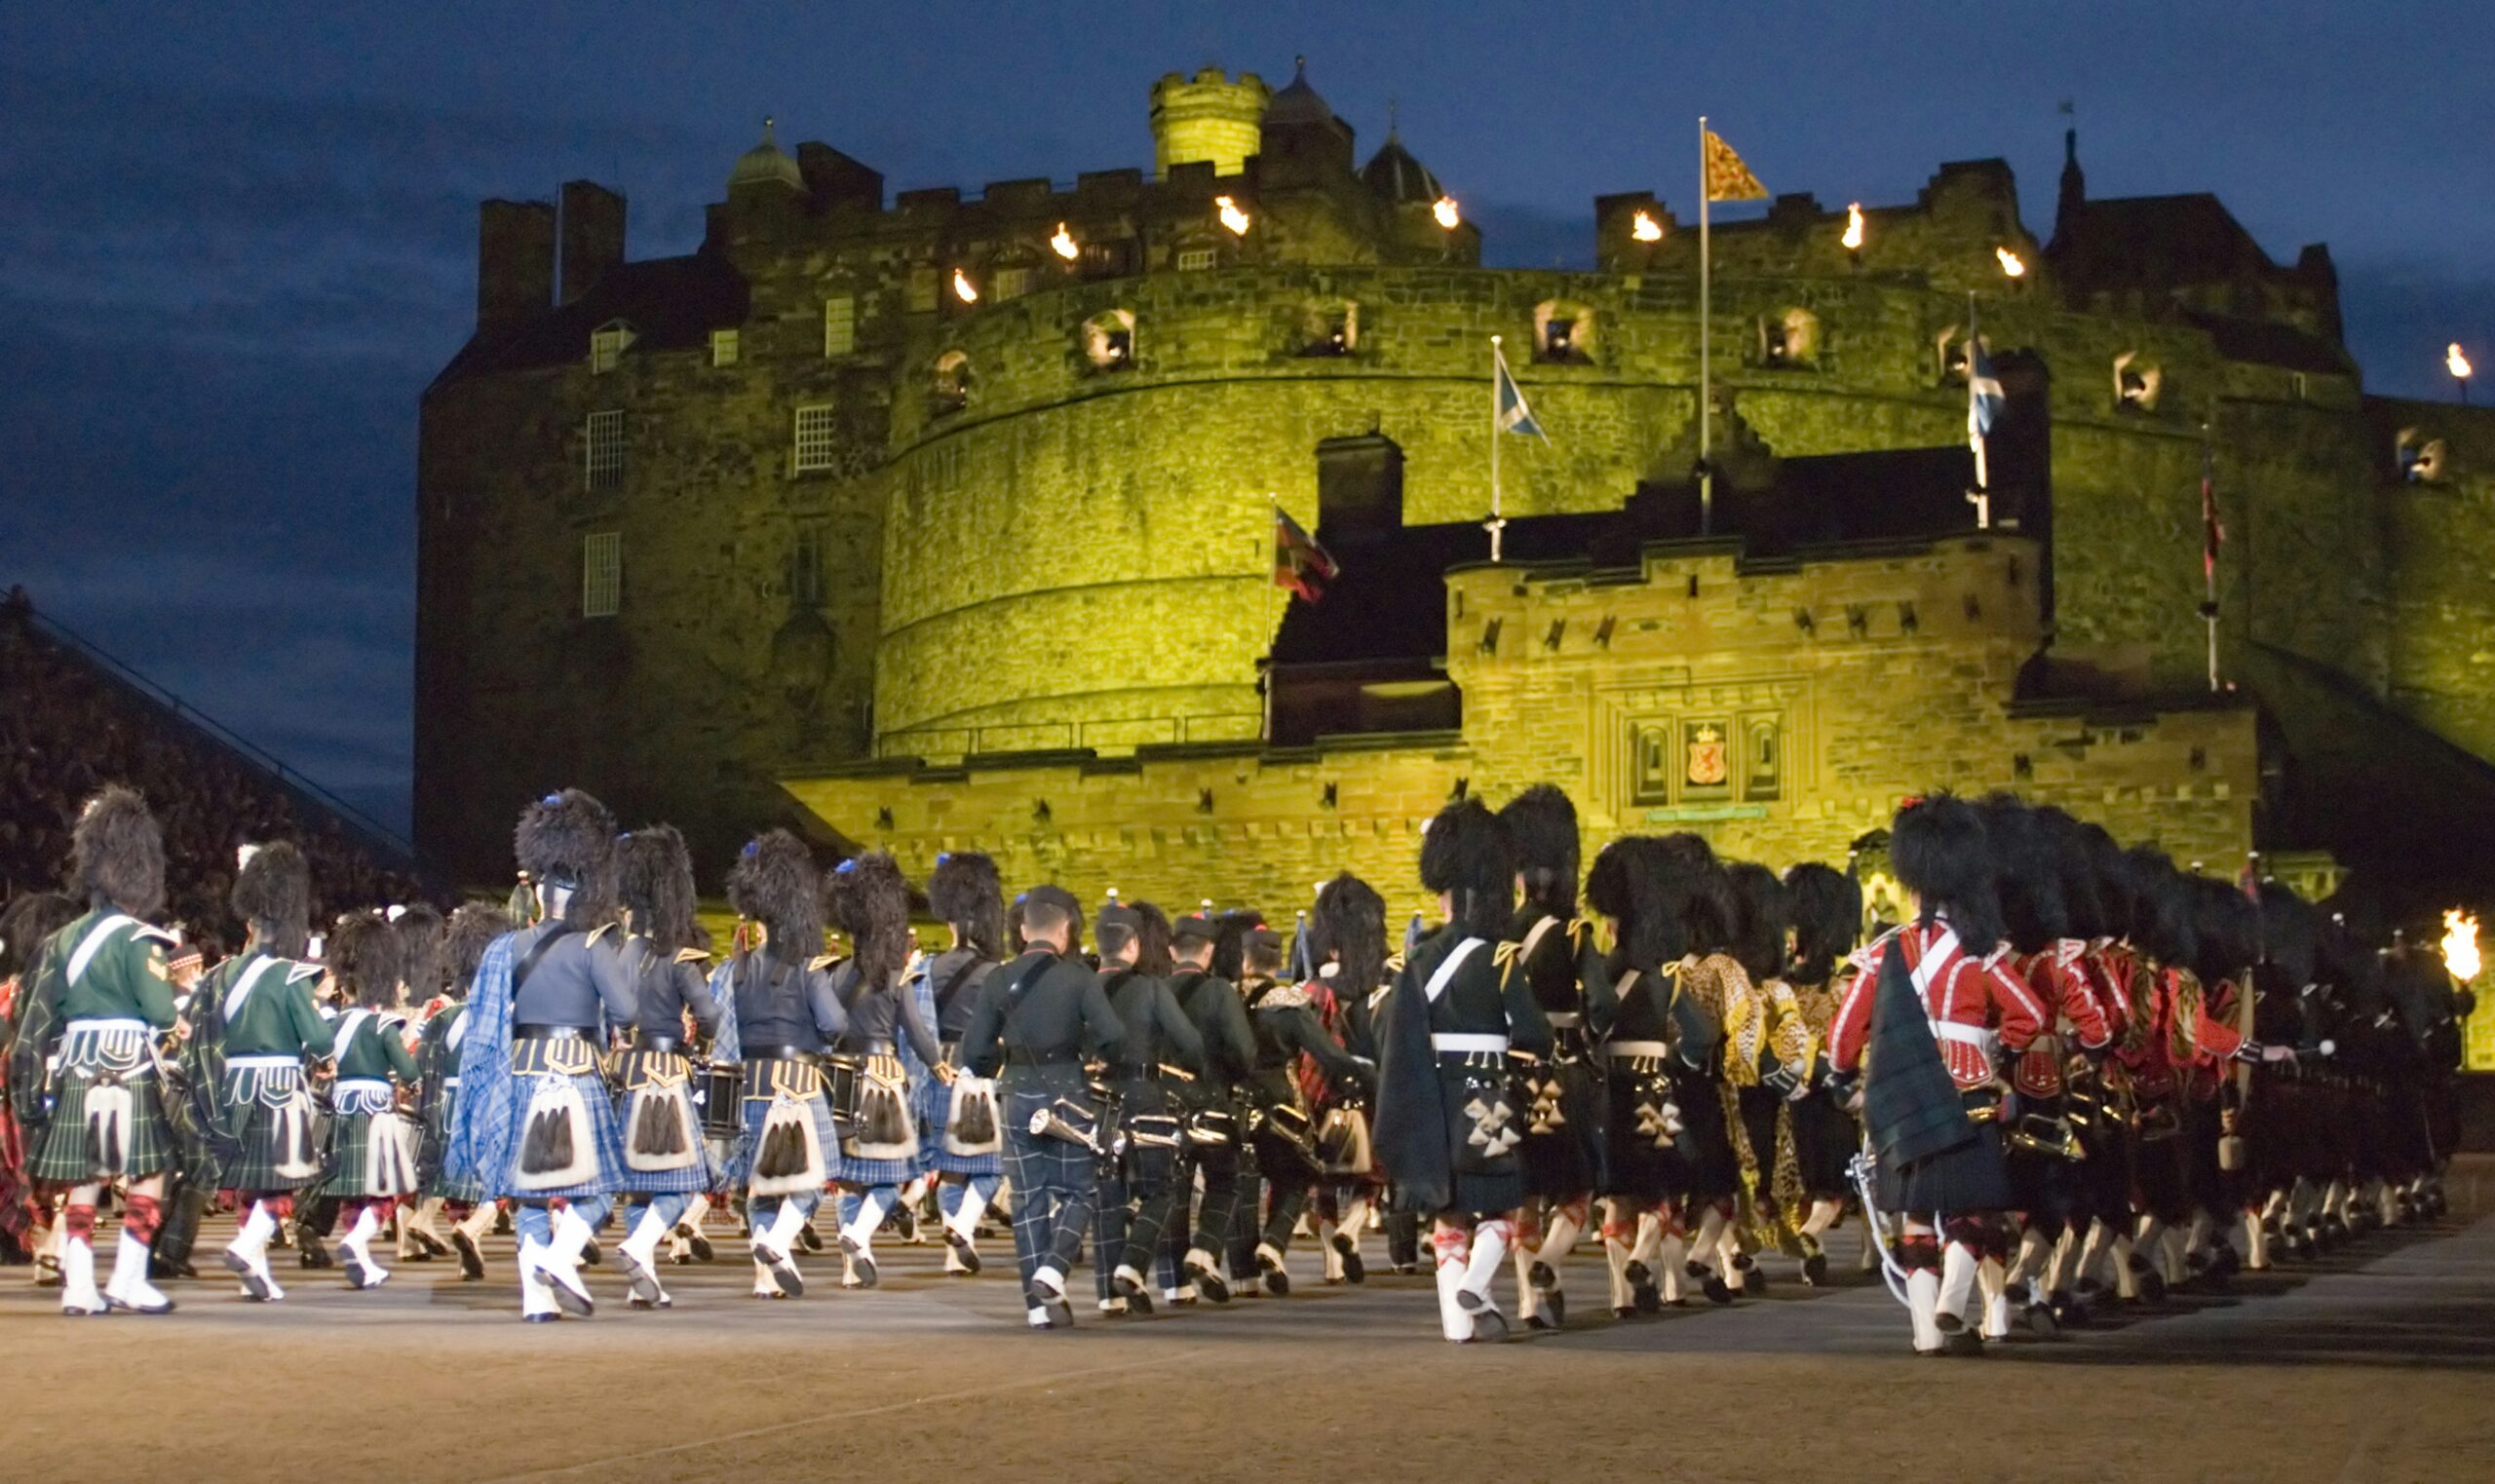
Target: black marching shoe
x=1815 y=1270
x=808 y=1238
x=1550 y=1304
x=1354 y=1270
x=1753 y=1277
x=471 y=1263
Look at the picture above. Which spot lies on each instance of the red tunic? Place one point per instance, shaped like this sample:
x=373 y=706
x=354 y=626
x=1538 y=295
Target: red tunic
x=2059 y=980
x=1977 y=1006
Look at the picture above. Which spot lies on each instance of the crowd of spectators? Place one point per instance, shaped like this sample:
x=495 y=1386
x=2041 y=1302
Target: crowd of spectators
x=67 y=728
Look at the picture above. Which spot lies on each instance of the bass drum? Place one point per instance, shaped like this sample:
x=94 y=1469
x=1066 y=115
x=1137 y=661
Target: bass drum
x=844 y=1080
x=720 y=1090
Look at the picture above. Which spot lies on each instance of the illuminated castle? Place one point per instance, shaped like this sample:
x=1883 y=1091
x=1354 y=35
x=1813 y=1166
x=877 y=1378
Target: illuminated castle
x=947 y=518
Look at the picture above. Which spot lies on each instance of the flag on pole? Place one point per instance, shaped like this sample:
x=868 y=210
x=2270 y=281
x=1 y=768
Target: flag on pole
x=1727 y=177
x=2212 y=534
x=1984 y=402
x=1299 y=562
x=1514 y=416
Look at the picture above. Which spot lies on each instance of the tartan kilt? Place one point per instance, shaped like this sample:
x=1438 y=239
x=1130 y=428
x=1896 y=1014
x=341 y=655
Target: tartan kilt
x=437 y=1182
x=737 y=1169
x=1037 y=1162
x=634 y=1070
x=351 y=1139
x=63 y=1158
x=932 y=1102
x=606 y=1136
x=849 y=1169
x=255 y=1099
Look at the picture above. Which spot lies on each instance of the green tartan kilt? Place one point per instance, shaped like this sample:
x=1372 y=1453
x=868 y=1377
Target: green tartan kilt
x=352 y=1134
x=274 y=1144
x=67 y=1158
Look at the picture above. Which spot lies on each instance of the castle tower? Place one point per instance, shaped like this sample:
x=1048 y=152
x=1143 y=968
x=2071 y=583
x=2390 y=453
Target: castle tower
x=1207 y=117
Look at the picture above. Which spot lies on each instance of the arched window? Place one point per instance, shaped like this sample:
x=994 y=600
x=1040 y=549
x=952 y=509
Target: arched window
x=1108 y=340
x=1330 y=327
x=2136 y=383
x=1563 y=332
x=949 y=391
x=1789 y=340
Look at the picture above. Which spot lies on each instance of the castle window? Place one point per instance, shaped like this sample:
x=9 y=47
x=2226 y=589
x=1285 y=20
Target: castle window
x=1108 y=340
x=1193 y=259
x=950 y=389
x=602 y=575
x=1791 y=340
x=607 y=346
x=1563 y=333
x=805 y=568
x=840 y=325
x=2136 y=383
x=724 y=347
x=1331 y=328
x=920 y=292
x=1010 y=284
x=1949 y=355
x=1650 y=773
x=602 y=451
x=816 y=440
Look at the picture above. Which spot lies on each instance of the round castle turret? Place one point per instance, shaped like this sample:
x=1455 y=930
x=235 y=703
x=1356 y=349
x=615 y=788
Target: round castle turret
x=1207 y=117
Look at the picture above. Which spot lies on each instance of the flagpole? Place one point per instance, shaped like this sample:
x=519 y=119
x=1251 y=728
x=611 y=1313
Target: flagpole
x=1706 y=408
x=1980 y=497
x=1495 y=524
x=2209 y=562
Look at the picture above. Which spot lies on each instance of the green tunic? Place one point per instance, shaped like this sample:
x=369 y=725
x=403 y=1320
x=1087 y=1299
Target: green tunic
x=120 y=977
x=372 y=1150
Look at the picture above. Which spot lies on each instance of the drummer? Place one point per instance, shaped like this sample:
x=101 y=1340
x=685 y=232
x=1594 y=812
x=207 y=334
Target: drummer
x=665 y=1163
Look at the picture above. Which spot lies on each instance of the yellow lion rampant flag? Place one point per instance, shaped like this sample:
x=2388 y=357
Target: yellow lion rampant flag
x=1727 y=177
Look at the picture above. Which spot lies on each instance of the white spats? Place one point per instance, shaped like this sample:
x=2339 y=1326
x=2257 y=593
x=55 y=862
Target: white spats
x=355 y=1250
x=559 y=1262
x=536 y=1295
x=637 y=1256
x=130 y=1291
x=78 y=1294
x=1923 y=1306
x=246 y=1256
x=1957 y=1293
x=1455 y=1322
x=1994 y=1282
x=770 y=1249
x=858 y=1239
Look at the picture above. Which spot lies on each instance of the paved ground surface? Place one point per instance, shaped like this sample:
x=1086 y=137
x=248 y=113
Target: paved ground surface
x=2375 y=1364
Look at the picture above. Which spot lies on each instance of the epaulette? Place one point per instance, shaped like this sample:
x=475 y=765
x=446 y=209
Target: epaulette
x=1505 y=955
x=825 y=961
x=599 y=932
x=140 y=932
x=1284 y=997
x=692 y=956
x=1394 y=963
x=296 y=973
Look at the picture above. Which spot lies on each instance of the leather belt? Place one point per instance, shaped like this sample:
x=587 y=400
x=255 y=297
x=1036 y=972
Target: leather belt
x=782 y=1054
x=1467 y=1043
x=1019 y=1057
x=647 y=1041
x=548 y=1033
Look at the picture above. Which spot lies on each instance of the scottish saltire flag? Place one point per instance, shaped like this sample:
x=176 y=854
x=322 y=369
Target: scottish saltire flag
x=1983 y=403
x=1513 y=415
x=1727 y=177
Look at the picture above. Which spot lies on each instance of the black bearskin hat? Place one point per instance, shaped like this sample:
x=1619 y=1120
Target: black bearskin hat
x=30 y=921
x=1349 y=924
x=567 y=840
x=1465 y=854
x=654 y=882
x=2163 y=918
x=1621 y=887
x=2116 y=894
x=2227 y=928
x=2290 y=933
x=367 y=958
x=420 y=931
x=2027 y=876
x=273 y=897
x=1939 y=850
x=1828 y=918
x=1696 y=895
x=472 y=930
x=774 y=882
x=1153 y=956
x=1759 y=919
x=964 y=891
x=118 y=851
x=2083 y=912
x=871 y=903
x=1542 y=829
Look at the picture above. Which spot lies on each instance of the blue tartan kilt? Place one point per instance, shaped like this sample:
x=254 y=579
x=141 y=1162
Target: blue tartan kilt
x=1039 y=1162
x=605 y=1133
x=739 y=1169
x=467 y=1189
x=688 y=1180
x=935 y=1108
x=849 y=1169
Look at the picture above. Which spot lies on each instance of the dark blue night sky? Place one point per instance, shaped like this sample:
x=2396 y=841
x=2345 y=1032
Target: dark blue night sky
x=233 y=252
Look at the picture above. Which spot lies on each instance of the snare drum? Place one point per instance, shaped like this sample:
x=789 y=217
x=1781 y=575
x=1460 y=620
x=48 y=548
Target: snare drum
x=844 y=1082
x=720 y=1090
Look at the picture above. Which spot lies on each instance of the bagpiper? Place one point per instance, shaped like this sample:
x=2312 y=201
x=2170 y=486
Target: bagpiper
x=871 y=901
x=103 y=996
x=1459 y=1025
x=534 y=1119
x=666 y=1162
x=373 y=1150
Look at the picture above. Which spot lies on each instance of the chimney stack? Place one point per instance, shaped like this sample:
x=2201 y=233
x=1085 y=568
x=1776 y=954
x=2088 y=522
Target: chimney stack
x=592 y=235
x=515 y=261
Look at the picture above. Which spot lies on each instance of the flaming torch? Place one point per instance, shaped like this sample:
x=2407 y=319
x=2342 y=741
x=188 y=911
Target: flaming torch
x=2460 y=945
x=963 y=289
x=2458 y=364
x=1646 y=229
x=1853 y=237
x=1444 y=208
x=1063 y=243
x=1231 y=216
x=2013 y=266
